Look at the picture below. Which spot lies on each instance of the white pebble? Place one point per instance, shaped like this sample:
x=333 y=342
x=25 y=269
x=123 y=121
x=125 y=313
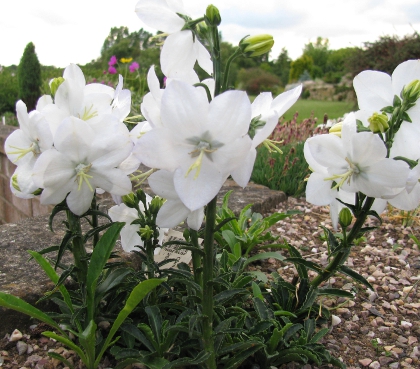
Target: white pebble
x=16 y=335
x=335 y=320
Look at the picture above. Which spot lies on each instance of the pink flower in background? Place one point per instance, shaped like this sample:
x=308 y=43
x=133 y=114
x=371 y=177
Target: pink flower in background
x=112 y=61
x=134 y=66
x=112 y=70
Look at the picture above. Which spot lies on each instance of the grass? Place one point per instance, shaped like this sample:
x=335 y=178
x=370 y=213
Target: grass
x=334 y=109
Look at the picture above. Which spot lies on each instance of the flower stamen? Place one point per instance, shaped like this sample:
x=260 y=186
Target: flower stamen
x=88 y=113
x=353 y=169
x=82 y=175
x=34 y=148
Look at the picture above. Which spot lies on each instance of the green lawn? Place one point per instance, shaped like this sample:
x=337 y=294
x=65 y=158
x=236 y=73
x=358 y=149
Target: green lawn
x=334 y=109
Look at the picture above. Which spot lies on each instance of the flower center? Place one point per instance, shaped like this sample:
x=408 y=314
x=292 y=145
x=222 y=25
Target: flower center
x=82 y=171
x=203 y=146
x=88 y=113
x=353 y=169
x=34 y=148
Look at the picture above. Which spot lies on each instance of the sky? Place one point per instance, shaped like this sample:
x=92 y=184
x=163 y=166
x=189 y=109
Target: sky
x=65 y=32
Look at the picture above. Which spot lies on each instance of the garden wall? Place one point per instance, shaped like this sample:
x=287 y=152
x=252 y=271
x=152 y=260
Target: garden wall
x=13 y=209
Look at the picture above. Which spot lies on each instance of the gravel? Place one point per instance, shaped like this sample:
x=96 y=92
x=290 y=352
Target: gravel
x=375 y=330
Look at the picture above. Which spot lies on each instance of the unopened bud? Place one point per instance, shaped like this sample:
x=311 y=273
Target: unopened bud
x=345 y=217
x=55 y=83
x=130 y=200
x=156 y=204
x=14 y=183
x=411 y=92
x=213 y=16
x=252 y=46
x=146 y=232
x=336 y=129
x=378 y=122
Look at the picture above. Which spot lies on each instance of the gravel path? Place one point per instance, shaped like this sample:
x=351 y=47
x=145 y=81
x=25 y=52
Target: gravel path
x=375 y=330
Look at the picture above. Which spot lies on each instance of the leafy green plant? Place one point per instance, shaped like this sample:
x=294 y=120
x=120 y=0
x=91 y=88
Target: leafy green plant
x=285 y=172
x=242 y=235
x=90 y=347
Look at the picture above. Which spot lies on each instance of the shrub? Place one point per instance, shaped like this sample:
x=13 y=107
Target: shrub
x=256 y=80
x=29 y=77
x=286 y=172
x=9 y=90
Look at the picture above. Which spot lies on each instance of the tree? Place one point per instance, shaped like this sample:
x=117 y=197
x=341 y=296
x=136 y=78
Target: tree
x=385 y=54
x=29 y=77
x=281 y=67
x=299 y=66
x=319 y=52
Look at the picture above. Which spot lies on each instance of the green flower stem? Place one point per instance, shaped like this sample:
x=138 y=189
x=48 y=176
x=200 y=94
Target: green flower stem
x=95 y=221
x=215 y=54
x=227 y=68
x=341 y=257
x=196 y=259
x=79 y=251
x=207 y=287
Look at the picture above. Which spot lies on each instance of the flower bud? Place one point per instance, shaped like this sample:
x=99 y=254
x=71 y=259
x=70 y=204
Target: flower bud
x=252 y=46
x=55 y=83
x=345 y=217
x=146 y=232
x=156 y=204
x=411 y=92
x=336 y=129
x=130 y=200
x=213 y=16
x=378 y=122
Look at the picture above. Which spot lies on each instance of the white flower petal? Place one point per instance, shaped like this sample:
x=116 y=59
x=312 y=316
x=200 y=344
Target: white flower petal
x=198 y=192
x=242 y=174
x=157 y=14
x=405 y=73
x=373 y=90
x=179 y=54
x=172 y=213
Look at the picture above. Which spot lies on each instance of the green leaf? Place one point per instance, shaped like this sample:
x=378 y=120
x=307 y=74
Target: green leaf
x=241 y=356
x=335 y=292
x=276 y=217
x=258 y=275
x=356 y=276
x=306 y=263
x=65 y=242
x=223 y=296
x=288 y=358
x=318 y=335
x=331 y=239
x=137 y=334
x=15 y=303
x=69 y=343
x=264 y=255
x=303 y=274
x=88 y=339
x=261 y=309
x=155 y=321
x=99 y=258
x=229 y=237
x=284 y=313
x=56 y=356
x=199 y=359
x=136 y=295
x=256 y=291
x=51 y=273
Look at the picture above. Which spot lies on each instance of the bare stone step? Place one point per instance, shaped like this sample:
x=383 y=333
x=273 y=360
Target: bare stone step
x=25 y=279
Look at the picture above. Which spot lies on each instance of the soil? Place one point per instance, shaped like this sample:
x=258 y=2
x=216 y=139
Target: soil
x=375 y=330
